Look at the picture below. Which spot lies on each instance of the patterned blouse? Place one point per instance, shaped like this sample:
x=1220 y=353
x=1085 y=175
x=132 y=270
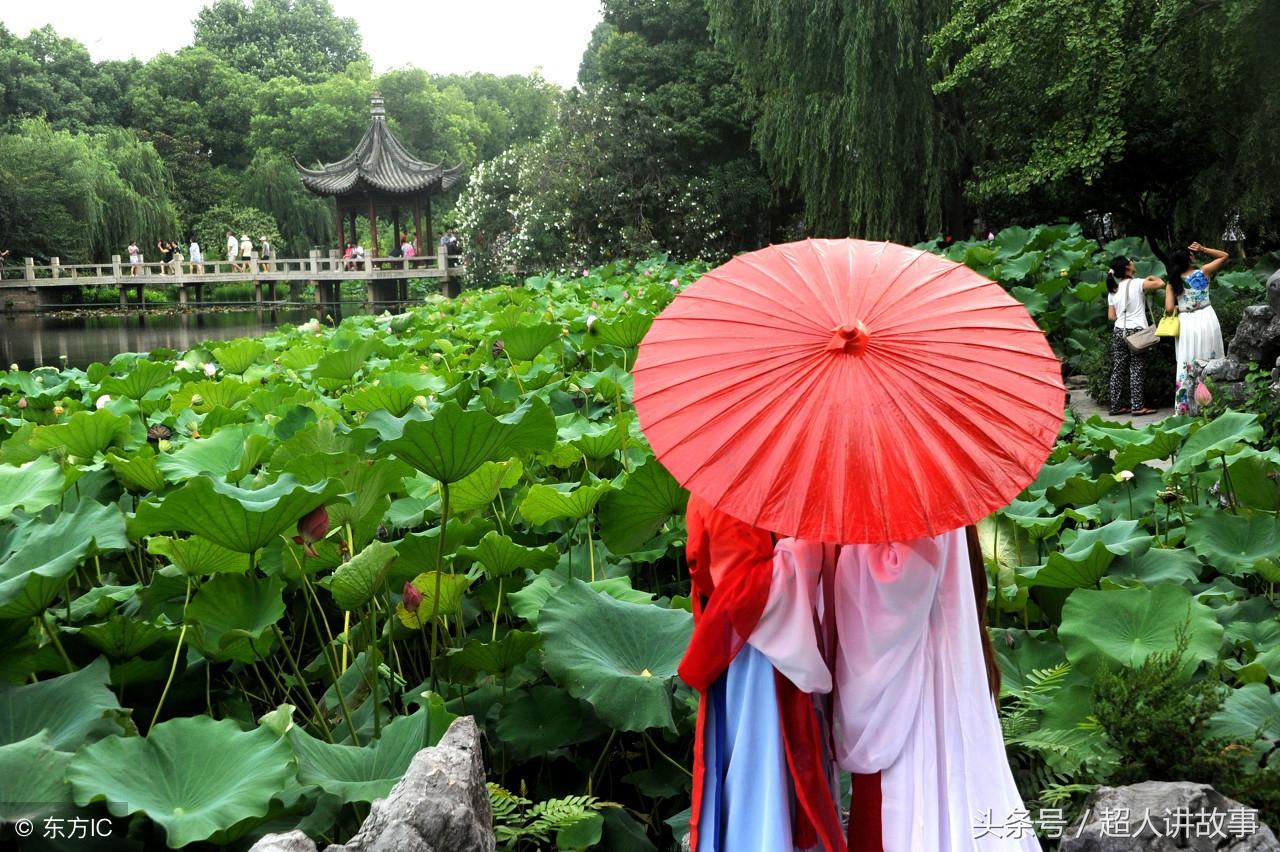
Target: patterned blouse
x=1195 y=292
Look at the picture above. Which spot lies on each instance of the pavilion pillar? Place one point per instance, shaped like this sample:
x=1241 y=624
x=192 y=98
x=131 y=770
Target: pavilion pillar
x=395 y=219
x=426 y=198
x=373 y=227
x=417 y=225
x=342 y=231
x=355 y=234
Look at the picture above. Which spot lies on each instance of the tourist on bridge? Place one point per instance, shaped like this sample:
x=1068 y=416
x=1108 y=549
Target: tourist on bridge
x=195 y=257
x=264 y=253
x=232 y=245
x=246 y=252
x=3 y=255
x=135 y=257
x=166 y=248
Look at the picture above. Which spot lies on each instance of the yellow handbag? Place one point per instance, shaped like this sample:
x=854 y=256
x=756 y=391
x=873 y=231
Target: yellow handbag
x=1169 y=326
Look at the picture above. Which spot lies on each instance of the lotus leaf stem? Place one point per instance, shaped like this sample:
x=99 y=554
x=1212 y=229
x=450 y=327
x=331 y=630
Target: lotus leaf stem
x=435 y=599
x=53 y=640
x=302 y=684
x=668 y=758
x=182 y=634
x=603 y=753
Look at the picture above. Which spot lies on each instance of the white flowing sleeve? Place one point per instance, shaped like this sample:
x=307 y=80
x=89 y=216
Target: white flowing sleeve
x=787 y=631
x=884 y=596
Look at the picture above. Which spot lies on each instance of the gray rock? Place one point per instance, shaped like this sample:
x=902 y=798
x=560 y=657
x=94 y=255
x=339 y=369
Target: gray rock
x=293 y=841
x=1156 y=816
x=441 y=804
x=1273 y=291
x=1225 y=370
x=1257 y=337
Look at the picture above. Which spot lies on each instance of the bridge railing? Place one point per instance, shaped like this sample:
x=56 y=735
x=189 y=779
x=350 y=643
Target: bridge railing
x=330 y=267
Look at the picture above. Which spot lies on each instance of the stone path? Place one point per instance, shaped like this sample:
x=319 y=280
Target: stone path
x=1084 y=407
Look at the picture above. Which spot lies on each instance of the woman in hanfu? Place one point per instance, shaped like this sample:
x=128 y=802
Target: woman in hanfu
x=1199 y=332
x=898 y=629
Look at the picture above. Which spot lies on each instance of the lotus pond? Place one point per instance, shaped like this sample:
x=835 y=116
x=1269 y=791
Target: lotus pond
x=241 y=585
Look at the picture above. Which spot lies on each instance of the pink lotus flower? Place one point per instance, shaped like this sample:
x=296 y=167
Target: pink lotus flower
x=412 y=597
x=22 y=402
x=102 y=401
x=313 y=527
x=210 y=370
x=1203 y=396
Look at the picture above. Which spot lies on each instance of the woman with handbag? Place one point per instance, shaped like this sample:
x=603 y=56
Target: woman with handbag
x=1127 y=307
x=1199 y=333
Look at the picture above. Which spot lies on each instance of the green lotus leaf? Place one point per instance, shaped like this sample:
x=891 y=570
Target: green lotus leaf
x=101 y=600
x=193 y=776
x=38 y=557
x=1250 y=715
x=239 y=355
x=1216 y=438
x=612 y=383
x=198 y=556
x=539 y=720
x=121 y=637
x=1159 y=565
x=453 y=587
x=1159 y=443
x=1017 y=268
x=1081 y=490
x=524 y=342
x=1234 y=544
x=219 y=454
x=30 y=486
x=358 y=580
x=632 y=515
x=500 y=556
x=301 y=356
x=368 y=772
x=239 y=519
x=529 y=601
x=1088 y=553
x=220 y=393
x=233 y=615
x=1028 y=515
x=418 y=550
x=480 y=487
x=582 y=833
x=566 y=500
x=70 y=709
x=84 y=434
x=625 y=330
x=1122 y=627
x=619 y=657
x=139 y=472
x=140 y=379
x=395 y=398
x=342 y=364
x=1254 y=480
x=454 y=442
x=1056 y=474
x=497 y=657
x=32 y=779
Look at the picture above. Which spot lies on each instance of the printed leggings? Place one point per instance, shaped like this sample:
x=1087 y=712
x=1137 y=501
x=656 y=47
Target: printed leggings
x=1126 y=365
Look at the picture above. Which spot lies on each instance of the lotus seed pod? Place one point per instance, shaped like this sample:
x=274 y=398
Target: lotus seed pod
x=197 y=399
x=58 y=411
x=164 y=445
x=420 y=401
x=38 y=380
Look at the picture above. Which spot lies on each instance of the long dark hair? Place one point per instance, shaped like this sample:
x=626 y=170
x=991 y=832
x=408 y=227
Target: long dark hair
x=1179 y=262
x=978 y=572
x=1119 y=269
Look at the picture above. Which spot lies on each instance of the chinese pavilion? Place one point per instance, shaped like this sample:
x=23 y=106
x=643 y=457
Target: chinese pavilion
x=381 y=174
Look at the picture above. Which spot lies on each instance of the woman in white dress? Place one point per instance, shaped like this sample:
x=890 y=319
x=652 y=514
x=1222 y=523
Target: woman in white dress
x=1199 y=333
x=1127 y=308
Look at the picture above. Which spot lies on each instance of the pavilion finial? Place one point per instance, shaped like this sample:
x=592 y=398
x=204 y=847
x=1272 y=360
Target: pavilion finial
x=378 y=110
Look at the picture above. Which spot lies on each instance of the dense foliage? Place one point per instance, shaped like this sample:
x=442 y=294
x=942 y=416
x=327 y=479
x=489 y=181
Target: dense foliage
x=218 y=125
x=302 y=554
x=651 y=153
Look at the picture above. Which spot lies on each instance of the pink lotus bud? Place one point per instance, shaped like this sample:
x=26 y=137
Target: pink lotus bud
x=312 y=528
x=22 y=402
x=412 y=597
x=1203 y=396
x=102 y=401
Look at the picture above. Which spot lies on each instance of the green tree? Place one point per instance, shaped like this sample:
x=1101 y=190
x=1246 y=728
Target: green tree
x=1162 y=113
x=847 y=116
x=280 y=38
x=514 y=108
x=80 y=197
x=195 y=95
x=45 y=75
x=210 y=230
x=313 y=123
x=301 y=220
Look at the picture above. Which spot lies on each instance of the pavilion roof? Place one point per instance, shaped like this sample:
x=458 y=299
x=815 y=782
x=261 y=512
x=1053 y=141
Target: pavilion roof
x=381 y=163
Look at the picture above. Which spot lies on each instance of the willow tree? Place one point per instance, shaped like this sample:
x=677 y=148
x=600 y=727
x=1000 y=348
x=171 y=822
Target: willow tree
x=1163 y=114
x=847 y=115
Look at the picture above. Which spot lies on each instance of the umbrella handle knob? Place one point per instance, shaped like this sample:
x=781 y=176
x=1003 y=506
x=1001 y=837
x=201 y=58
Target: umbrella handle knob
x=850 y=337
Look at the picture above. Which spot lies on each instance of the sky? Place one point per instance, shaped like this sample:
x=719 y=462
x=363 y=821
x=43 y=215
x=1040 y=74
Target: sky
x=457 y=36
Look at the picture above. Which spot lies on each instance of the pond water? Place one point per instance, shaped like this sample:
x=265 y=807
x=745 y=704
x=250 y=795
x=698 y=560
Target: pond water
x=35 y=340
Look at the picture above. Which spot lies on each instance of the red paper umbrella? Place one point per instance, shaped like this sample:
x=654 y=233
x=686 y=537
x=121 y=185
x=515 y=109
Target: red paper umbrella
x=849 y=391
